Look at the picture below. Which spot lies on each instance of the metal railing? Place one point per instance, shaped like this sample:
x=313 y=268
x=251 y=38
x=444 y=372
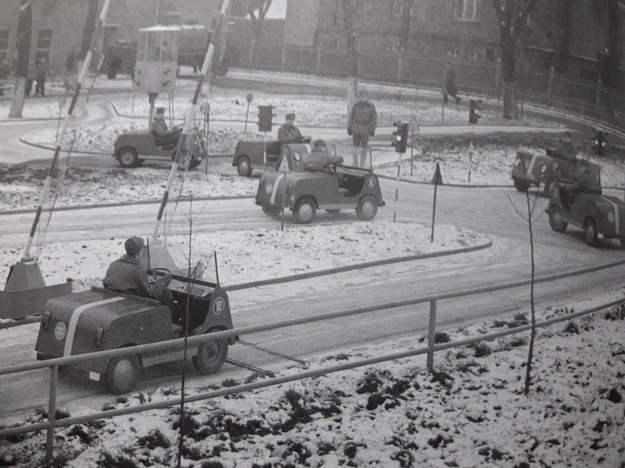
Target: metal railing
x=179 y=344
x=591 y=100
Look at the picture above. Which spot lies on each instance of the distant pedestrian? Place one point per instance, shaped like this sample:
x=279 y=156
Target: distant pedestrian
x=449 y=83
x=31 y=75
x=360 y=126
x=41 y=74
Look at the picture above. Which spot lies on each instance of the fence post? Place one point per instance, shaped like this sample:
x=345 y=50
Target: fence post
x=54 y=373
x=431 y=334
x=399 y=67
x=598 y=99
x=552 y=73
x=498 y=78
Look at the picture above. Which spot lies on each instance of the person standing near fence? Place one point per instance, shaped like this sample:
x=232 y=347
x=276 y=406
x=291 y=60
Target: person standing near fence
x=360 y=126
x=449 y=83
x=42 y=73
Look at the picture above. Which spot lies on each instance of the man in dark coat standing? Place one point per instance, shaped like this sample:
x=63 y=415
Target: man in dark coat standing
x=126 y=275
x=449 y=84
x=361 y=125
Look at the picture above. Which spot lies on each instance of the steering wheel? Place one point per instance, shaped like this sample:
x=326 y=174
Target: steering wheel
x=159 y=271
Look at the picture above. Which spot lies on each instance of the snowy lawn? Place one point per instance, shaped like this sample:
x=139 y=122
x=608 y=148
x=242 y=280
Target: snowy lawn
x=295 y=250
x=20 y=186
x=470 y=412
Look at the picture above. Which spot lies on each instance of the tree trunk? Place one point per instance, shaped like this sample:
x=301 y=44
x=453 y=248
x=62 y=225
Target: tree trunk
x=510 y=105
x=530 y=353
x=352 y=92
x=24 y=31
x=87 y=33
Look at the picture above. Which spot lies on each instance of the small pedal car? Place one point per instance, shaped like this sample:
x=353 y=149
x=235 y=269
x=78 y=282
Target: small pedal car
x=595 y=213
x=536 y=168
x=333 y=189
x=99 y=319
x=133 y=148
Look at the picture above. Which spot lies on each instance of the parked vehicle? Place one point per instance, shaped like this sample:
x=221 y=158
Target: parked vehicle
x=595 y=213
x=535 y=169
x=100 y=319
x=334 y=189
x=135 y=147
x=248 y=155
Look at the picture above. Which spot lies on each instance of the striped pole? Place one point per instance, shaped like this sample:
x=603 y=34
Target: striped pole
x=187 y=124
x=70 y=113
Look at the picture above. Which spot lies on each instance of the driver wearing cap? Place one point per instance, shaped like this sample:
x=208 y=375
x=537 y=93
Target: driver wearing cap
x=126 y=275
x=164 y=136
x=289 y=133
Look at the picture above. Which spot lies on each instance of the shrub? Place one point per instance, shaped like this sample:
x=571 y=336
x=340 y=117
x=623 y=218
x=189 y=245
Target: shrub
x=154 y=438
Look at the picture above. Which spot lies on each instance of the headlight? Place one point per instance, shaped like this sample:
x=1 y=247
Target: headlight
x=98 y=336
x=543 y=169
x=269 y=187
x=60 y=330
x=517 y=161
x=610 y=216
x=289 y=188
x=296 y=157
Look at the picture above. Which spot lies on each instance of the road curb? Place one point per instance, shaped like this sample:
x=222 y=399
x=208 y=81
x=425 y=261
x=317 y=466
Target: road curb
x=140 y=202
x=357 y=266
x=50 y=148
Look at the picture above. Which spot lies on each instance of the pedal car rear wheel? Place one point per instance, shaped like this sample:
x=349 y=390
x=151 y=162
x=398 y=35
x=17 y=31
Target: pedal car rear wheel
x=211 y=356
x=127 y=157
x=122 y=374
x=244 y=167
x=555 y=220
x=367 y=208
x=305 y=211
x=590 y=231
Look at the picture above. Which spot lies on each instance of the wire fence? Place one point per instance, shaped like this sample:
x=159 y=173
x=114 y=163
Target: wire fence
x=587 y=99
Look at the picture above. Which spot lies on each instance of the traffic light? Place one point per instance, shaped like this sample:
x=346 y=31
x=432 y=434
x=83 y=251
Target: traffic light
x=475 y=105
x=265 y=114
x=400 y=137
x=599 y=142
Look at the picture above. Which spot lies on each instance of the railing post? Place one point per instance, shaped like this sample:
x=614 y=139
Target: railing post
x=552 y=73
x=431 y=334
x=598 y=99
x=54 y=373
x=399 y=67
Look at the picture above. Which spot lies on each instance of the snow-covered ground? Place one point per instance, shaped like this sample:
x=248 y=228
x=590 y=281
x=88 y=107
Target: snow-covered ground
x=471 y=412
x=259 y=254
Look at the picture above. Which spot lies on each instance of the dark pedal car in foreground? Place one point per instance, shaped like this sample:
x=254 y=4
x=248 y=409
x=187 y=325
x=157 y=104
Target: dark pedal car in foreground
x=537 y=168
x=134 y=148
x=249 y=155
x=595 y=213
x=99 y=319
x=332 y=189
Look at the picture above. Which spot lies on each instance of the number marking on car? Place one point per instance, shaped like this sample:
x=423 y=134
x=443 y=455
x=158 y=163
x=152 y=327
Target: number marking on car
x=219 y=306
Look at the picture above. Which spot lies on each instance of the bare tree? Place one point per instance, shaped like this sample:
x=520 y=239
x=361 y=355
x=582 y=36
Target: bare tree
x=512 y=16
x=348 y=9
x=88 y=30
x=404 y=29
x=529 y=215
x=257 y=10
x=24 y=32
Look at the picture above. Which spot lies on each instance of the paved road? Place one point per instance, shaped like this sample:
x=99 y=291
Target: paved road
x=483 y=209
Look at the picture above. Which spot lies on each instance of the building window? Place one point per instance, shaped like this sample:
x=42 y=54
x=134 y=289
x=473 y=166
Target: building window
x=44 y=44
x=467 y=10
x=4 y=44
